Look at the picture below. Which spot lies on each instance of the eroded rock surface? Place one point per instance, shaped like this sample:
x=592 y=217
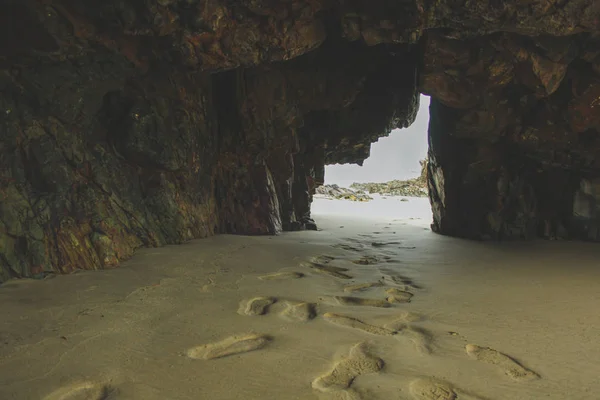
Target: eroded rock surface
x=141 y=123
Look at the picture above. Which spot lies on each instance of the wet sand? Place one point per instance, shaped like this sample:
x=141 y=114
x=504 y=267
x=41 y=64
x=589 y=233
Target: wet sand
x=373 y=306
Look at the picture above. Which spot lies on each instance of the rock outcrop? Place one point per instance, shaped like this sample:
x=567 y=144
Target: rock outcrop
x=334 y=192
x=141 y=123
x=415 y=187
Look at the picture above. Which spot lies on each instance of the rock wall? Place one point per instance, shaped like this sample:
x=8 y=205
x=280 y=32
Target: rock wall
x=140 y=123
x=515 y=155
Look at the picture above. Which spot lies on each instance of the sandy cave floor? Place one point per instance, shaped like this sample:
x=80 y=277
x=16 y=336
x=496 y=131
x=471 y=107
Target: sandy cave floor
x=373 y=306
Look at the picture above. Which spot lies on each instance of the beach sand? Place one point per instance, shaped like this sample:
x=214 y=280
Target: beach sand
x=373 y=306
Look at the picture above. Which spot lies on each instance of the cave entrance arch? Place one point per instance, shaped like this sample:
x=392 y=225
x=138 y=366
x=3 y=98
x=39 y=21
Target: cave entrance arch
x=392 y=179
x=394 y=157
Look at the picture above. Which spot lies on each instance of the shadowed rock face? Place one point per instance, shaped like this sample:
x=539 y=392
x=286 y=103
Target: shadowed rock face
x=140 y=123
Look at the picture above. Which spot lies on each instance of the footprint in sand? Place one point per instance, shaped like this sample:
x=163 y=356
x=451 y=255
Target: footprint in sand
x=435 y=389
x=359 y=287
x=229 y=346
x=279 y=276
x=256 y=306
x=345 y=247
x=398 y=296
x=391 y=260
x=301 y=312
x=348 y=394
x=510 y=366
x=398 y=280
x=336 y=272
x=402 y=319
x=350 y=322
x=83 y=391
x=431 y=389
x=358 y=301
x=354 y=240
x=366 y=260
x=381 y=244
x=358 y=362
x=323 y=259
x=421 y=338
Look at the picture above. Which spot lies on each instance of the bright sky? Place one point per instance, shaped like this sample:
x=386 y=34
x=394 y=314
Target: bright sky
x=393 y=157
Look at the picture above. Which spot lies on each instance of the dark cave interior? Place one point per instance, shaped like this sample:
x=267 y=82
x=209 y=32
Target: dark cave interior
x=150 y=122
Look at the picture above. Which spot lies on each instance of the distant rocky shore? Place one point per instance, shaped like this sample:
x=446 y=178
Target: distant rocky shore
x=336 y=192
x=409 y=188
x=416 y=187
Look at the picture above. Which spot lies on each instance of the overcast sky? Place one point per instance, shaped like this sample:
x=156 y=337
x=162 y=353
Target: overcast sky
x=393 y=157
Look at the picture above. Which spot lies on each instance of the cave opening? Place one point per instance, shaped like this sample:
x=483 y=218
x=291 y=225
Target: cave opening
x=128 y=127
x=393 y=175
x=398 y=156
